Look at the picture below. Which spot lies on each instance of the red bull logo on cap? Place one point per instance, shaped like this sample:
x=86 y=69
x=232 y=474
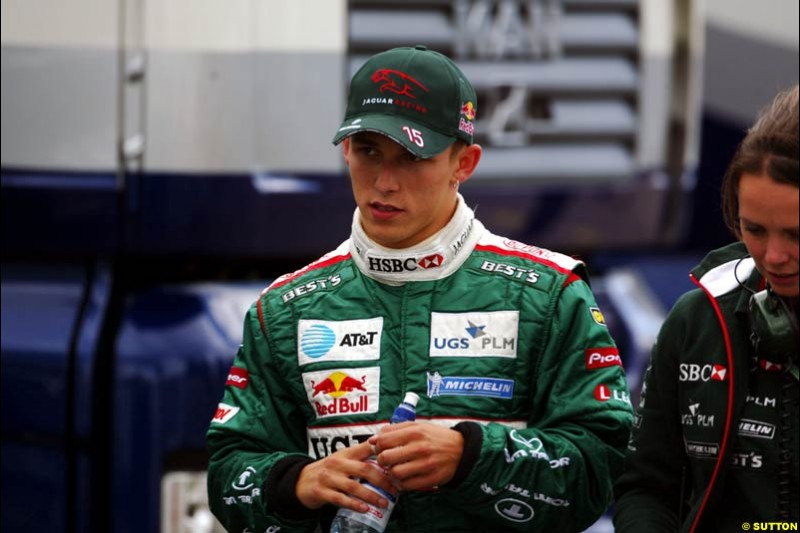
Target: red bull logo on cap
x=468 y=110
x=343 y=392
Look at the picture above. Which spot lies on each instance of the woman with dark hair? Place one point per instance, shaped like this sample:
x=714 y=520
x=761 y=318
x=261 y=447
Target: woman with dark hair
x=715 y=438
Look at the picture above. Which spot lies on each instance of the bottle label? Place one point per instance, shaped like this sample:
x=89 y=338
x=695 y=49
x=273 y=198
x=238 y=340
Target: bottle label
x=375 y=517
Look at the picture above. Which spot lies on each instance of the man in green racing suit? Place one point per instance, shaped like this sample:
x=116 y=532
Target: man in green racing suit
x=524 y=411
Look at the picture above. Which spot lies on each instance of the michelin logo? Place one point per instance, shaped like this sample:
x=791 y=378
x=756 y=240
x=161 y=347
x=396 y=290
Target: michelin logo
x=439 y=385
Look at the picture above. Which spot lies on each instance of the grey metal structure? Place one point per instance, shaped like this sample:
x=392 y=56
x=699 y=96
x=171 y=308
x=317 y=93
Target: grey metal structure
x=588 y=111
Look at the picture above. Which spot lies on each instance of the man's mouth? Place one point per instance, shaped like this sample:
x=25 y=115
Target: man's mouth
x=384 y=208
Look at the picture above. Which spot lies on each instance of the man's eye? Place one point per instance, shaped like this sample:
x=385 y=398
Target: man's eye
x=754 y=230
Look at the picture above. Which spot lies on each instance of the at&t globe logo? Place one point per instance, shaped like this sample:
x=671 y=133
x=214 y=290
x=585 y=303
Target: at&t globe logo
x=317 y=341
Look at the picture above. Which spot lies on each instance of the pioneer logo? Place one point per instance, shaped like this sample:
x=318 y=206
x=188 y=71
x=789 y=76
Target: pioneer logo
x=602 y=358
x=410 y=264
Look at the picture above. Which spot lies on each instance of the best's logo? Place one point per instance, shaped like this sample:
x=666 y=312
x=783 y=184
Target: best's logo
x=343 y=392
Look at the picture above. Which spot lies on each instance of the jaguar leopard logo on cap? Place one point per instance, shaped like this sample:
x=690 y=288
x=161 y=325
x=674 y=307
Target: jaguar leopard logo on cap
x=415 y=96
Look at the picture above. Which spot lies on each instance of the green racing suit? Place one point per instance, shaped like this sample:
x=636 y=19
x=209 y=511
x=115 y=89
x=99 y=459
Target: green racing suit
x=503 y=342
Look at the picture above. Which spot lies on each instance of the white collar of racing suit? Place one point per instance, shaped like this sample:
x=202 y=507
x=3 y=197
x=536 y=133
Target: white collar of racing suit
x=436 y=257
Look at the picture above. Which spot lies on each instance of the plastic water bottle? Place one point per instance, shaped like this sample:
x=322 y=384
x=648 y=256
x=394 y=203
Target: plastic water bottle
x=375 y=519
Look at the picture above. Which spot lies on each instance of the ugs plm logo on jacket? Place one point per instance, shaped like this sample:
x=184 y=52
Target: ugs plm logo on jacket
x=489 y=334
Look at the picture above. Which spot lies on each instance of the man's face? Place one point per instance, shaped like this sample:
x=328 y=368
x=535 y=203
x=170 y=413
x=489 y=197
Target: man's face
x=768 y=212
x=402 y=199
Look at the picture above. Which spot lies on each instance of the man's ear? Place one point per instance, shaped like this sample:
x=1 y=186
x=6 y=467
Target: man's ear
x=468 y=159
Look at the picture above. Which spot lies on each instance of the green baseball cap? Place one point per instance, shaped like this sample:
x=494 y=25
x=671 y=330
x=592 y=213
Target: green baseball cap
x=417 y=97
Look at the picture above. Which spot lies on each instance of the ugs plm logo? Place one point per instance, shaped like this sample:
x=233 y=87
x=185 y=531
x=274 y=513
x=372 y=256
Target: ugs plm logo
x=482 y=334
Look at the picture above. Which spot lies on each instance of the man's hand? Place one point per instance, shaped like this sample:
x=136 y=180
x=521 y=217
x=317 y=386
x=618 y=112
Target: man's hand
x=418 y=455
x=334 y=480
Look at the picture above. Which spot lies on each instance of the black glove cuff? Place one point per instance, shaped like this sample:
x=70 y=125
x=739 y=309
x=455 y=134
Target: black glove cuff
x=279 y=488
x=473 y=440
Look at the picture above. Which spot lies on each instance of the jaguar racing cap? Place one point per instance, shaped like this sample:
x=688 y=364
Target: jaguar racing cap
x=417 y=97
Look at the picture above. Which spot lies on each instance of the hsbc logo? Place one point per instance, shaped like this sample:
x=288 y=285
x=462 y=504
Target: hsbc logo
x=694 y=372
x=431 y=261
x=396 y=265
x=602 y=358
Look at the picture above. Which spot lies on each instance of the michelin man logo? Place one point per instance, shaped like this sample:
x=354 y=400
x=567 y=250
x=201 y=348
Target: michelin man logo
x=434 y=383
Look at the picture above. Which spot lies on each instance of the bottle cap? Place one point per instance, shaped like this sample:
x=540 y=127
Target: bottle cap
x=412 y=398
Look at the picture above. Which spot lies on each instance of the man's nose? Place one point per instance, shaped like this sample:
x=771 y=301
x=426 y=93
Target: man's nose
x=387 y=179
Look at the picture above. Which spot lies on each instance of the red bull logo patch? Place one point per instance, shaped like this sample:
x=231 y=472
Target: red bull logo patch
x=347 y=391
x=468 y=110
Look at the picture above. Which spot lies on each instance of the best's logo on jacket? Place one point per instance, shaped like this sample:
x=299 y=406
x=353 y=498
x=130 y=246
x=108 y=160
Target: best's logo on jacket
x=345 y=391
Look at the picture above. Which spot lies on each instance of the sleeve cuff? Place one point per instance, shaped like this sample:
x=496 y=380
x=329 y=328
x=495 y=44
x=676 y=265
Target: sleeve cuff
x=279 y=488
x=473 y=440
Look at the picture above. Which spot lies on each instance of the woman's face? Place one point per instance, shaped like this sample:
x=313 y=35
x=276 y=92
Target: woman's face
x=768 y=222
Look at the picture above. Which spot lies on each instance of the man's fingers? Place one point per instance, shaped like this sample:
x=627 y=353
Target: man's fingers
x=360 y=452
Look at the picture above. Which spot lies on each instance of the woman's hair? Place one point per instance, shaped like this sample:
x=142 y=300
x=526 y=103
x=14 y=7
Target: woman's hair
x=770 y=147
